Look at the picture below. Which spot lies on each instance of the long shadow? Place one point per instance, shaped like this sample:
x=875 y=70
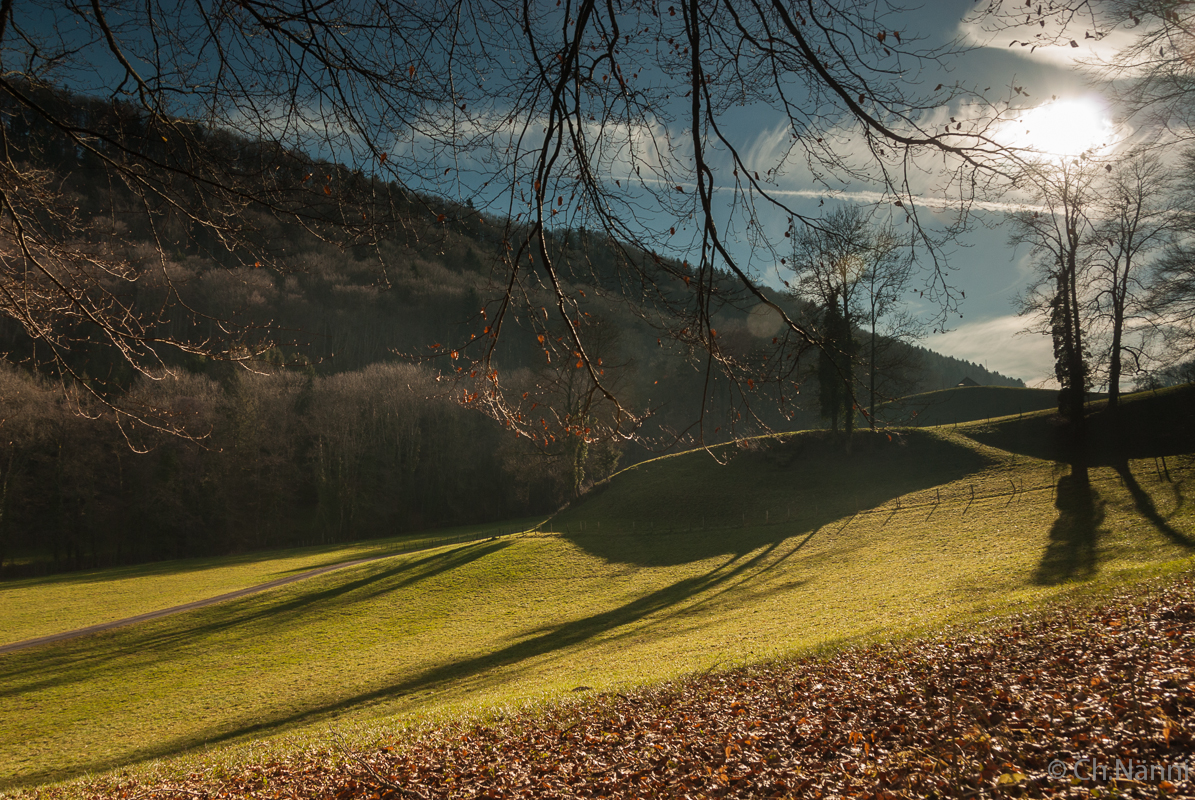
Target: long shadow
x=802 y=483
x=184 y=566
x=732 y=586
x=1071 y=553
x=379 y=581
x=1146 y=425
x=119 y=645
x=541 y=642
x=1145 y=505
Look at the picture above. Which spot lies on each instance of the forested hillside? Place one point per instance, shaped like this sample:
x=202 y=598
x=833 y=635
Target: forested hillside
x=321 y=387
x=939 y=371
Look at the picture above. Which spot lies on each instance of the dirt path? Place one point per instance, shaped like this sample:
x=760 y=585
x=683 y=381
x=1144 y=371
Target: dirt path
x=120 y=623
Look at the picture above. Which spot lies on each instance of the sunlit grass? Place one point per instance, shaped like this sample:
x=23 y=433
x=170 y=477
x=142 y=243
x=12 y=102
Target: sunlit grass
x=897 y=538
x=38 y=607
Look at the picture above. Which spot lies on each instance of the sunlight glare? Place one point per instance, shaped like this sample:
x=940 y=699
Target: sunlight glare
x=1063 y=128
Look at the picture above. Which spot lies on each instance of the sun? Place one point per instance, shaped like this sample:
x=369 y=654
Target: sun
x=1062 y=128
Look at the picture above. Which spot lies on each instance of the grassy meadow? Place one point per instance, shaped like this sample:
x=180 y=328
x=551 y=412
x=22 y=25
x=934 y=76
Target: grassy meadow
x=36 y=607
x=772 y=547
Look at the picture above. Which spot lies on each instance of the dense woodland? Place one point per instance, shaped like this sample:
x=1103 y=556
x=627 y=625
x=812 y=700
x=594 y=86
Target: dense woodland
x=352 y=419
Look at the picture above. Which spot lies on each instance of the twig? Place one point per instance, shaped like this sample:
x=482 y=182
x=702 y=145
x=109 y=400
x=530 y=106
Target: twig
x=388 y=784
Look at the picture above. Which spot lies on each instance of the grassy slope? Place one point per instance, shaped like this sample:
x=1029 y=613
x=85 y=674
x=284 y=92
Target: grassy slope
x=966 y=403
x=37 y=607
x=1152 y=423
x=900 y=536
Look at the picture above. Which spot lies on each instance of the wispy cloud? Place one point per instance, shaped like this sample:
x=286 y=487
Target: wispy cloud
x=1001 y=344
x=1023 y=41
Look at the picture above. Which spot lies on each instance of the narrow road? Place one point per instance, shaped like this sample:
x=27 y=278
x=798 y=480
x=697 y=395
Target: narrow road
x=120 y=623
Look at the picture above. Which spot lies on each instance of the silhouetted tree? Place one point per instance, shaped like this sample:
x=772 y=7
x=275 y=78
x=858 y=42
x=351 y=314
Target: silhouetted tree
x=849 y=261
x=1058 y=235
x=835 y=372
x=1136 y=217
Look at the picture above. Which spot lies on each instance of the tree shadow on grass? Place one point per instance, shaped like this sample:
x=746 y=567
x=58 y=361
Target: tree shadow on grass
x=538 y=642
x=379 y=579
x=677 y=511
x=1072 y=551
x=1147 y=509
x=52 y=665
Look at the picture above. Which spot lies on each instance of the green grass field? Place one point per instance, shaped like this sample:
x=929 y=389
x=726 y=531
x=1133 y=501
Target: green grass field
x=42 y=606
x=774 y=547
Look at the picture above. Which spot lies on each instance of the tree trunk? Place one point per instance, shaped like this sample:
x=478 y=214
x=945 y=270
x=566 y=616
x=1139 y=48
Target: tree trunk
x=848 y=374
x=1114 y=356
x=1120 y=293
x=1076 y=372
x=871 y=375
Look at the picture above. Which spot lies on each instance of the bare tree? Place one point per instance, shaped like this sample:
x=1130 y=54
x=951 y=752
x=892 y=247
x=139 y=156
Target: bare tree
x=864 y=268
x=829 y=260
x=1058 y=236
x=372 y=120
x=1150 y=76
x=1170 y=303
x=1136 y=216
x=888 y=320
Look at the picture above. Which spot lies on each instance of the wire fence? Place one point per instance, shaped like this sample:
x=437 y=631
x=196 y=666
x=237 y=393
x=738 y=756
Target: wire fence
x=929 y=501
x=932 y=501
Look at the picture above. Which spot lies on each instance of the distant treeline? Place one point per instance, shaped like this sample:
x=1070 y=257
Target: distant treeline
x=278 y=459
x=942 y=372
x=347 y=431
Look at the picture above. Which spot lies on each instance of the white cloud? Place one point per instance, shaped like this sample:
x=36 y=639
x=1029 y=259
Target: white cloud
x=922 y=175
x=1001 y=345
x=1088 y=54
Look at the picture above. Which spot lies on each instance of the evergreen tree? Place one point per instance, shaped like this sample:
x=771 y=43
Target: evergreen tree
x=834 y=370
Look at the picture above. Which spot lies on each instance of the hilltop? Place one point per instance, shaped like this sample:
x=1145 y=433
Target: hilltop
x=764 y=549
x=967 y=403
x=361 y=417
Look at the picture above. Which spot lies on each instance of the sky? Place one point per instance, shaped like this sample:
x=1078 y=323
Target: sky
x=982 y=266
x=989 y=271
x=1062 y=112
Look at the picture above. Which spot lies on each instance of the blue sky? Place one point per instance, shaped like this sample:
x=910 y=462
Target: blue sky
x=984 y=265
x=986 y=270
